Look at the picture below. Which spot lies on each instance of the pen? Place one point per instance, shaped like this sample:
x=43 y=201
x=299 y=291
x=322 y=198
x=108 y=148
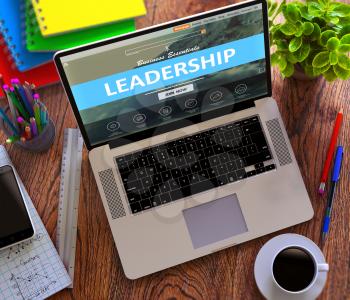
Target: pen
x=8 y=121
x=18 y=105
x=28 y=92
x=23 y=122
x=330 y=153
x=22 y=95
x=33 y=127
x=37 y=116
x=13 y=111
x=335 y=178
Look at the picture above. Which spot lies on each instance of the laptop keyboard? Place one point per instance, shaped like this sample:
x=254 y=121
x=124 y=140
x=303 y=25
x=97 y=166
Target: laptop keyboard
x=194 y=164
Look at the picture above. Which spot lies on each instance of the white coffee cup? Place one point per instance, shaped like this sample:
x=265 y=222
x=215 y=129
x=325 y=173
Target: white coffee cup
x=317 y=269
x=272 y=286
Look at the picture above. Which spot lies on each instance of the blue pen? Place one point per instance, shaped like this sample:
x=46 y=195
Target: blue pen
x=335 y=178
x=8 y=122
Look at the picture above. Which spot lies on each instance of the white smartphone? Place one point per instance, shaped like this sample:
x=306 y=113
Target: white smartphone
x=15 y=223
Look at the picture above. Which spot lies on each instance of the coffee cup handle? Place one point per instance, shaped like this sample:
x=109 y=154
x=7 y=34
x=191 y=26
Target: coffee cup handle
x=323 y=267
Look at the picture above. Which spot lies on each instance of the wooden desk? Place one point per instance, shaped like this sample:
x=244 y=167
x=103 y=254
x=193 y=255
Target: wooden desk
x=308 y=110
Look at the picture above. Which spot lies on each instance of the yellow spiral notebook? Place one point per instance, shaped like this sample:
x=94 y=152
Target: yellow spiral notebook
x=58 y=17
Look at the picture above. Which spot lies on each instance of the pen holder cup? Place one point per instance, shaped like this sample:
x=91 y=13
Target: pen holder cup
x=41 y=143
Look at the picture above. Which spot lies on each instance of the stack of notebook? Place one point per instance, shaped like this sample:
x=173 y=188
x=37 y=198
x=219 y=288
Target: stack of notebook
x=32 y=30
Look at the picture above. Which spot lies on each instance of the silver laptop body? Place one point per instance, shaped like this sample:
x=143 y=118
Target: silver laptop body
x=187 y=147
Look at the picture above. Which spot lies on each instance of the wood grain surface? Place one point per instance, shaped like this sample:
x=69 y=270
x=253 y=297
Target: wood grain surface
x=308 y=110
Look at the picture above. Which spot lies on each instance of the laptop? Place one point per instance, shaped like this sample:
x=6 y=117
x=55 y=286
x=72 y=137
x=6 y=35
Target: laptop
x=188 y=149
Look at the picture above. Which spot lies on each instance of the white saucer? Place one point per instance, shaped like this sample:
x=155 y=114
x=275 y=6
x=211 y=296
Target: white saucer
x=263 y=263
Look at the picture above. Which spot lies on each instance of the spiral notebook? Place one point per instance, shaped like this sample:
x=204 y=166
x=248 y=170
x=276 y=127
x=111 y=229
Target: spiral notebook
x=33 y=269
x=12 y=17
x=40 y=76
x=36 y=41
x=57 y=17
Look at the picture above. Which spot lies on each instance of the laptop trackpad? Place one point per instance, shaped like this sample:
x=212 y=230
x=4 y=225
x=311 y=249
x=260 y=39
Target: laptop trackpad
x=215 y=221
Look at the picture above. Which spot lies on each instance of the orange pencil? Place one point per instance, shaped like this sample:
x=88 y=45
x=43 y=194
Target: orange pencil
x=27 y=133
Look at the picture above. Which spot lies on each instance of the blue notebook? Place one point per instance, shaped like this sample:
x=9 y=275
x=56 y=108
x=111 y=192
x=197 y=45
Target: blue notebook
x=12 y=20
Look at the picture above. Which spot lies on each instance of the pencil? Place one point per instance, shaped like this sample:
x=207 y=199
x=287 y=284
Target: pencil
x=27 y=133
x=330 y=153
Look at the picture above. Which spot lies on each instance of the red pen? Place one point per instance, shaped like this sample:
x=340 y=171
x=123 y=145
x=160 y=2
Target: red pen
x=330 y=153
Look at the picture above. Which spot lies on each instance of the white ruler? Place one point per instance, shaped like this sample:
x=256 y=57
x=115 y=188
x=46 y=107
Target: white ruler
x=69 y=198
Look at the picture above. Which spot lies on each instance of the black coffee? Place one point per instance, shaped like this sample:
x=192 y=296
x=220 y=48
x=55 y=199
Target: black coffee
x=293 y=269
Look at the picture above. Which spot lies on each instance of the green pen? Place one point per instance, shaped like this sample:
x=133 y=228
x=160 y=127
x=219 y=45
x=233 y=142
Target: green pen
x=12 y=108
x=37 y=116
x=18 y=105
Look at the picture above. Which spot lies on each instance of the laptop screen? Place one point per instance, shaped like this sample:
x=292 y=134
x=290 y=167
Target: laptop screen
x=167 y=74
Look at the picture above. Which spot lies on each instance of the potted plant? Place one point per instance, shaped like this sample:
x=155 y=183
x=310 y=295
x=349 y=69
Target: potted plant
x=313 y=36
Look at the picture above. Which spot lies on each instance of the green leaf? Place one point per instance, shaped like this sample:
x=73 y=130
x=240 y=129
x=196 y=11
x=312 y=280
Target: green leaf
x=344 y=48
x=324 y=2
x=292 y=13
x=333 y=43
x=314 y=9
x=303 y=52
x=288 y=28
x=281 y=45
x=340 y=9
x=344 y=30
x=341 y=73
x=289 y=70
x=295 y=44
x=333 y=58
x=344 y=61
x=326 y=35
x=274 y=59
x=319 y=71
x=282 y=62
x=345 y=39
x=272 y=8
x=291 y=58
x=345 y=20
x=299 y=32
x=305 y=14
x=309 y=71
x=278 y=35
x=308 y=28
x=316 y=32
x=279 y=59
x=321 y=59
x=333 y=20
x=330 y=75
